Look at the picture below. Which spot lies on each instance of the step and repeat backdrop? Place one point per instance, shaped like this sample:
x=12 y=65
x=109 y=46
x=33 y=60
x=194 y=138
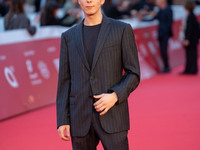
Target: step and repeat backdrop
x=29 y=64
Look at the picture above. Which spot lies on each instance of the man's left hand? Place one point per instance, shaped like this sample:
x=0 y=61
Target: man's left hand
x=105 y=102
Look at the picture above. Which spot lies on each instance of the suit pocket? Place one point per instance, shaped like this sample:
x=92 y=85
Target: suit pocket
x=111 y=48
x=108 y=44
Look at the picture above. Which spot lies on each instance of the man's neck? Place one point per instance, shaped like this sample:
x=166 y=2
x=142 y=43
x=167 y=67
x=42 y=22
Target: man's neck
x=91 y=20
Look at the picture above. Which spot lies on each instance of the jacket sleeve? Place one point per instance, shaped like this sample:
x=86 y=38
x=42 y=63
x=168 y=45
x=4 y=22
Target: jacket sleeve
x=131 y=77
x=62 y=101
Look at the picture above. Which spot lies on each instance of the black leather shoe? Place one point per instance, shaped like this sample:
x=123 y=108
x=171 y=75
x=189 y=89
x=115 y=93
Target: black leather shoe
x=166 y=70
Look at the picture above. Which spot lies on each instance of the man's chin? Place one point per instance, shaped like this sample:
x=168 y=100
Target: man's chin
x=90 y=13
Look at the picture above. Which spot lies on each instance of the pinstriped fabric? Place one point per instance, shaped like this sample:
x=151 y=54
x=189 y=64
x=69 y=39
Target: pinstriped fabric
x=115 y=141
x=115 y=50
x=110 y=141
x=63 y=85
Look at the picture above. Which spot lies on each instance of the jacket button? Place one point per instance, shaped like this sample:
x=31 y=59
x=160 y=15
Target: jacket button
x=92 y=78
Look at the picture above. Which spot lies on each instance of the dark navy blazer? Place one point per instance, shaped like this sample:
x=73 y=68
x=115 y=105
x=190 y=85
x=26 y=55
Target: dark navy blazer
x=115 y=51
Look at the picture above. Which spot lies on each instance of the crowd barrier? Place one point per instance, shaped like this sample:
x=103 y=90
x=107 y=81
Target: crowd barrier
x=29 y=65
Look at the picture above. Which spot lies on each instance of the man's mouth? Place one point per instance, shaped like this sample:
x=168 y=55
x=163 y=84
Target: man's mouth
x=89 y=7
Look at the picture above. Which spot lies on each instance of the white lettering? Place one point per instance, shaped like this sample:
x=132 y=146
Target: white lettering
x=29 y=53
x=11 y=78
x=143 y=50
x=56 y=63
x=36 y=82
x=2 y=57
x=43 y=69
x=51 y=49
x=29 y=66
x=151 y=47
x=174 y=45
x=33 y=76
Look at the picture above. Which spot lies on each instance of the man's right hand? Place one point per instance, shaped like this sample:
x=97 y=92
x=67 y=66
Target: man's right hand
x=64 y=132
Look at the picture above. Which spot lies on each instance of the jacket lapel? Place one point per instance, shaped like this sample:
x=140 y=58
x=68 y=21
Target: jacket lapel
x=104 y=30
x=79 y=45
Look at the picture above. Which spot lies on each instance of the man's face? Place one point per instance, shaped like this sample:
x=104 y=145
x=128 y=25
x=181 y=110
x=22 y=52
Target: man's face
x=91 y=7
x=160 y=3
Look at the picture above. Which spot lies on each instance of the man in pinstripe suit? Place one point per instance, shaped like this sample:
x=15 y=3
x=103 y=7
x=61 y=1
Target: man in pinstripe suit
x=92 y=90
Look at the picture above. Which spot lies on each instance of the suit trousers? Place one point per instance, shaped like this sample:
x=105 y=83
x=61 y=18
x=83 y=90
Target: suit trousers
x=114 y=141
x=163 y=42
x=191 y=66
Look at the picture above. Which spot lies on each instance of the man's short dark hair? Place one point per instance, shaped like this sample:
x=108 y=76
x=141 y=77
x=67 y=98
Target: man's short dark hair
x=189 y=5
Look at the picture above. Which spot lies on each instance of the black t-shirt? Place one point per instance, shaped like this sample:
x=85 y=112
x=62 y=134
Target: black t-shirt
x=90 y=35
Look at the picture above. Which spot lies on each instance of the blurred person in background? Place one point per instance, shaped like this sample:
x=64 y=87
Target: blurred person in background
x=4 y=7
x=148 y=6
x=197 y=2
x=110 y=9
x=138 y=4
x=39 y=4
x=117 y=9
x=16 y=18
x=165 y=18
x=49 y=15
x=72 y=8
x=170 y=2
x=132 y=7
x=127 y=8
x=191 y=39
x=145 y=9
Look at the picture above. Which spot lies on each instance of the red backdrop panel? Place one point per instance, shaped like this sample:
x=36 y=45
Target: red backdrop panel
x=29 y=70
x=28 y=78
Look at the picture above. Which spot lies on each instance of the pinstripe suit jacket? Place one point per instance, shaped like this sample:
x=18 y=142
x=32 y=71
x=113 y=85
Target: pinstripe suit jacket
x=115 y=51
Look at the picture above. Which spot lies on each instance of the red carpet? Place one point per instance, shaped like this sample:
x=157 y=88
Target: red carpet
x=165 y=115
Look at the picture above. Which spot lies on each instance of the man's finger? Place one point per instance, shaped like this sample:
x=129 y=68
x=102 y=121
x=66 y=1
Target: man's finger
x=104 y=112
x=99 y=105
x=68 y=133
x=98 y=96
x=98 y=102
x=100 y=109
